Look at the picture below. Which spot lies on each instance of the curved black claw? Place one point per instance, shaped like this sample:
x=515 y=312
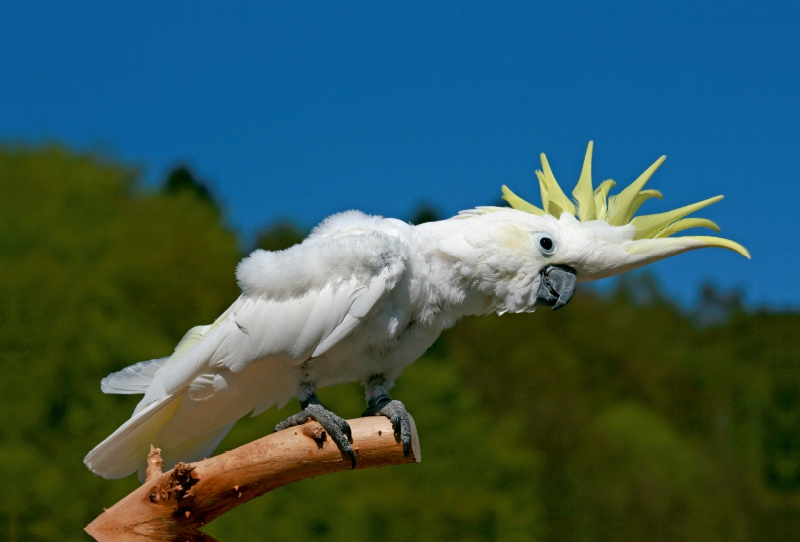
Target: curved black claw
x=336 y=427
x=397 y=414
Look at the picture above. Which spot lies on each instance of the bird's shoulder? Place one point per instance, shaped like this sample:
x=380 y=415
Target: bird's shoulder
x=347 y=247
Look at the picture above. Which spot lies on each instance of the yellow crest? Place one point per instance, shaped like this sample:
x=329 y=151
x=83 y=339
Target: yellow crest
x=617 y=210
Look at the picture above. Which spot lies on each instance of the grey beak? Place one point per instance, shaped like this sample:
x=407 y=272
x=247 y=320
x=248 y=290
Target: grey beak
x=556 y=286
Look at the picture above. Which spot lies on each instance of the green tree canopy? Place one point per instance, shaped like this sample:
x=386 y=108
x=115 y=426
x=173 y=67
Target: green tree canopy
x=97 y=273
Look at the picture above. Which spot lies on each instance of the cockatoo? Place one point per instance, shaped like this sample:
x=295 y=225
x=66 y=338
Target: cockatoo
x=364 y=296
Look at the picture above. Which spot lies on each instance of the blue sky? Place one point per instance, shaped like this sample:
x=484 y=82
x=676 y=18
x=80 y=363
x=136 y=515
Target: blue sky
x=303 y=109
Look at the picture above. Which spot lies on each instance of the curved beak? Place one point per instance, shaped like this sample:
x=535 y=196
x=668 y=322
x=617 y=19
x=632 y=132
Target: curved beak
x=556 y=286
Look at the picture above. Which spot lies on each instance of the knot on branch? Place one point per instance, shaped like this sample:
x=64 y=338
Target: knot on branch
x=175 y=487
x=314 y=431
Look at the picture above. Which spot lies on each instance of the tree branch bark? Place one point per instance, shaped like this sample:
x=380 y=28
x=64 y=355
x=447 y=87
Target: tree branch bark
x=175 y=504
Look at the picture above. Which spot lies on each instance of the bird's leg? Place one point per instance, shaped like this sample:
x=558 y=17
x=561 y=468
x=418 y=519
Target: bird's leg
x=380 y=404
x=336 y=427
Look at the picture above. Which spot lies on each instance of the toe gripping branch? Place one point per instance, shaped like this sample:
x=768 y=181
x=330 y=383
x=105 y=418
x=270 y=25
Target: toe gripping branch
x=397 y=414
x=338 y=429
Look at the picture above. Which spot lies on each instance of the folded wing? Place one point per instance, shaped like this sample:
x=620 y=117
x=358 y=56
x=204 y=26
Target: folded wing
x=220 y=373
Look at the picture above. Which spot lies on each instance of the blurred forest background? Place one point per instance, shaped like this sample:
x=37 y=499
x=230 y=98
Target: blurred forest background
x=619 y=418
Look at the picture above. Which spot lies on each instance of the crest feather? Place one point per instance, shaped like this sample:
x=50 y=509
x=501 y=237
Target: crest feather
x=685 y=224
x=554 y=200
x=583 y=193
x=601 y=198
x=623 y=206
x=619 y=210
x=518 y=203
x=688 y=242
x=648 y=226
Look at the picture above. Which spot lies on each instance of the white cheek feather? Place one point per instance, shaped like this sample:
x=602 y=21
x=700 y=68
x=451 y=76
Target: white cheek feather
x=496 y=256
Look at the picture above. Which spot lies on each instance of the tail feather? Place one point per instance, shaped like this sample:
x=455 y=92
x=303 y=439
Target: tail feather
x=126 y=448
x=189 y=451
x=159 y=419
x=134 y=379
x=125 y=451
x=138 y=377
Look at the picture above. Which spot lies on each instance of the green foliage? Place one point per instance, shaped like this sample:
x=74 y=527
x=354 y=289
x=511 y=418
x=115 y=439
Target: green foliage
x=617 y=418
x=95 y=276
x=182 y=180
x=280 y=236
x=650 y=427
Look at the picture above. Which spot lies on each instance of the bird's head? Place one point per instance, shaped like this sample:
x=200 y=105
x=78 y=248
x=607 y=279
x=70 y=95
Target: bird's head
x=594 y=235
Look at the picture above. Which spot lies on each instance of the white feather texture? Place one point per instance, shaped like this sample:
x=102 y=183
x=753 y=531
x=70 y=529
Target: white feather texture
x=346 y=247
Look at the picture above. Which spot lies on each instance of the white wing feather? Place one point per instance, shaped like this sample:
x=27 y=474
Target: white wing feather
x=294 y=331
x=134 y=379
x=239 y=364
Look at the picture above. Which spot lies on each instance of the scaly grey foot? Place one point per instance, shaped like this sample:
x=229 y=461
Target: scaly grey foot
x=397 y=414
x=336 y=427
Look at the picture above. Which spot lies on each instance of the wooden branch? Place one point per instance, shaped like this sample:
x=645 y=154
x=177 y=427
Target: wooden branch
x=154 y=463
x=175 y=504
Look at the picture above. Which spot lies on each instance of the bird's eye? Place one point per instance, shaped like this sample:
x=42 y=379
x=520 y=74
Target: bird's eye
x=546 y=244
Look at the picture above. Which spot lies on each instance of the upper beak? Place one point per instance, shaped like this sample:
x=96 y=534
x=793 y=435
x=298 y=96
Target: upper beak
x=556 y=286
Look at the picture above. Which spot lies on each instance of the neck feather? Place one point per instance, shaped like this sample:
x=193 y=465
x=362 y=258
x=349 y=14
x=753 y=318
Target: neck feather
x=485 y=263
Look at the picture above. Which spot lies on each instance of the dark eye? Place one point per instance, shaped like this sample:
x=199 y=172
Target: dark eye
x=546 y=243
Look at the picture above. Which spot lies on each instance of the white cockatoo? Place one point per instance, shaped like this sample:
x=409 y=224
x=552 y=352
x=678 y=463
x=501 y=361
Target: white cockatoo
x=363 y=296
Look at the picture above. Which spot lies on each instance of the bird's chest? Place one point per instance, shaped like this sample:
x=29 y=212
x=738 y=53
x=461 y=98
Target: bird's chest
x=387 y=341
